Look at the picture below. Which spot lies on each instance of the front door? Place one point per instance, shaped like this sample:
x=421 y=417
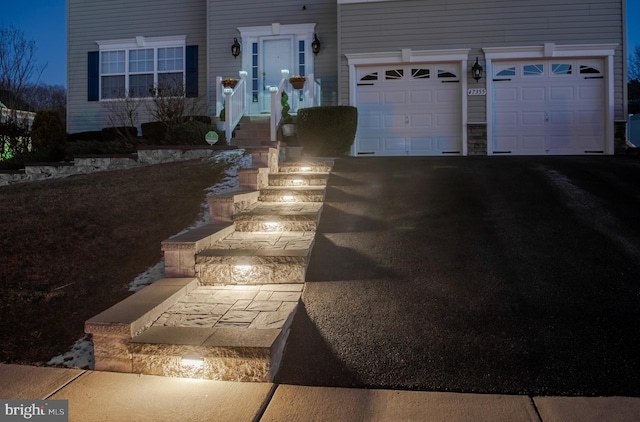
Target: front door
x=276 y=55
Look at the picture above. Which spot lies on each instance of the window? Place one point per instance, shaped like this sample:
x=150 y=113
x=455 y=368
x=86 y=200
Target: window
x=141 y=67
x=561 y=69
x=420 y=73
x=533 y=69
x=394 y=74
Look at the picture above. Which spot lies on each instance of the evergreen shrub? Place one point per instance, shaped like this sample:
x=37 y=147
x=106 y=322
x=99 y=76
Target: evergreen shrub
x=327 y=130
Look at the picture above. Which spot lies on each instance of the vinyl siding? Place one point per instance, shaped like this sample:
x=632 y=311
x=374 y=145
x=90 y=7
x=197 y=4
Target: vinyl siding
x=98 y=20
x=444 y=24
x=226 y=17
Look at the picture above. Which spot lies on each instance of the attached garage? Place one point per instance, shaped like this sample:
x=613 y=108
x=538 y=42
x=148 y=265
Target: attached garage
x=409 y=110
x=550 y=107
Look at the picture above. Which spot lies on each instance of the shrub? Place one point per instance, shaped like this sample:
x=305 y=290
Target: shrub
x=188 y=133
x=204 y=119
x=47 y=132
x=327 y=130
x=154 y=131
x=94 y=135
x=118 y=133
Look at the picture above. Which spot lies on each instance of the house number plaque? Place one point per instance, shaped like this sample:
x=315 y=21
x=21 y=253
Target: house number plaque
x=476 y=91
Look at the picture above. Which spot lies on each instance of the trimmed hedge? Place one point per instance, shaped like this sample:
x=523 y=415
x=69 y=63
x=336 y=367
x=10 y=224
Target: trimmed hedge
x=47 y=131
x=188 y=133
x=154 y=131
x=327 y=130
x=119 y=133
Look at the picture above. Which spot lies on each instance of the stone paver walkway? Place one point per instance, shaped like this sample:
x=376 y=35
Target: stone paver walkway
x=251 y=307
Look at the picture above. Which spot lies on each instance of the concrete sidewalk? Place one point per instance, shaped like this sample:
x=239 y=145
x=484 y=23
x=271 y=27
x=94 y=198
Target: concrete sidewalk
x=108 y=396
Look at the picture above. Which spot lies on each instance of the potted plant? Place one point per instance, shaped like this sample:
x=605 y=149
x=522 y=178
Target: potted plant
x=297 y=81
x=229 y=82
x=286 y=121
x=221 y=119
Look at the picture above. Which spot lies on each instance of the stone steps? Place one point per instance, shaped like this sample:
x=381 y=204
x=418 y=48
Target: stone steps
x=229 y=315
x=292 y=194
x=279 y=216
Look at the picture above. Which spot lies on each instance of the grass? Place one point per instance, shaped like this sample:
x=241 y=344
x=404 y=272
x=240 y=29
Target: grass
x=69 y=247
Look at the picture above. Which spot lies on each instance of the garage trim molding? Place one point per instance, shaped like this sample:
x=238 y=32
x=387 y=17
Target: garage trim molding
x=408 y=56
x=549 y=51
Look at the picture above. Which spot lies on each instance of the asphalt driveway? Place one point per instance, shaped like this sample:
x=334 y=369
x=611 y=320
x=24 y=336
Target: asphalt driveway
x=474 y=274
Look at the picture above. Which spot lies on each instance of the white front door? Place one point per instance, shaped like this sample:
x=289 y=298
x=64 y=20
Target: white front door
x=277 y=54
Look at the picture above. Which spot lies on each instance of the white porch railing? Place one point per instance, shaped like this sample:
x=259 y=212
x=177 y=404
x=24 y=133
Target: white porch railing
x=309 y=96
x=234 y=101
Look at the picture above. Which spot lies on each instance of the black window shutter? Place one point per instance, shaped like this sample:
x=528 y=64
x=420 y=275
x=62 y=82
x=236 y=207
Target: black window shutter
x=191 y=76
x=93 y=73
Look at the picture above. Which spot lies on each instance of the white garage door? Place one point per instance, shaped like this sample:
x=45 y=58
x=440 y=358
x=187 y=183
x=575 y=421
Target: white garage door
x=409 y=110
x=548 y=107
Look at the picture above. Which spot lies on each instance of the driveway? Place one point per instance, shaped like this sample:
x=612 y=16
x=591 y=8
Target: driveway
x=474 y=274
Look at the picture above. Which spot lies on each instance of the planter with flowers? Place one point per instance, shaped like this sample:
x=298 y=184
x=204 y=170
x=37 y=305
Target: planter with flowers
x=297 y=82
x=229 y=82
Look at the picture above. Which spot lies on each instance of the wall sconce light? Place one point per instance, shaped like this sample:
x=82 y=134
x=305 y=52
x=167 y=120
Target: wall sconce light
x=476 y=71
x=235 y=48
x=315 y=45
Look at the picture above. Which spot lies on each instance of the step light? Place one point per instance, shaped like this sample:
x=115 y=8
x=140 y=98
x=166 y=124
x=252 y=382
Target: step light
x=288 y=198
x=305 y=168
x=272 y=225
x=297 y=182
x=192 y=360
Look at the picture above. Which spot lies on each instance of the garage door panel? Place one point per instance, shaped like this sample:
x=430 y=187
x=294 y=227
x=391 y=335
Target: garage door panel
x=370 y=144
x=421 y=120
x=504 y=94
x=562 y=93
x=533 y=143
x=369 y=121
x=369 y=97
x=534 y=94
x=420 y=97
x=562 y=118
x=394 y=144
x=551 y=111
x=395 y=97
x=424 y=144
x=590 y=92
x=533 y=118
x=507 y=119
x=408 y=108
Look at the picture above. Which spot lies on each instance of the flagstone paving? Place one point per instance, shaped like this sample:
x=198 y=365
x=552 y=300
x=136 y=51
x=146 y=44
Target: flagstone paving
x=251 y=307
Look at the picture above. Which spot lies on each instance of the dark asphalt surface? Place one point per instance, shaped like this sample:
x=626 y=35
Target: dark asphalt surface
x=474 y=274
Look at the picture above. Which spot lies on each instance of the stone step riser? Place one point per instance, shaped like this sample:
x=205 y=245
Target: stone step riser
x=167 y=362
x=298 y=179
x=291 y=197
x=304 y=168
x=276 y=224
x=250 y=270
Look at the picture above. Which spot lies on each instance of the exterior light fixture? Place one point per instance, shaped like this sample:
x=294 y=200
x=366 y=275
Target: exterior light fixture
x=297 y=182
x=315 y=45
x=476 y=71
x=288 y=198
x=235 y=48
x=192 y=360
x=305 y=168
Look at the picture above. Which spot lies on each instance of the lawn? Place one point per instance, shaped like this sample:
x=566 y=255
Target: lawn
x=69 y=247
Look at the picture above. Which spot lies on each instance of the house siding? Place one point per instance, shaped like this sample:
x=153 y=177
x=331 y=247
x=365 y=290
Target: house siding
x=247 y=13
x=96 y=20
x=449 y=24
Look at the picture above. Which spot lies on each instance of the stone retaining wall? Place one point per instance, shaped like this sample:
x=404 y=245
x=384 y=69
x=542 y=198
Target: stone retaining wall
x=86 y=164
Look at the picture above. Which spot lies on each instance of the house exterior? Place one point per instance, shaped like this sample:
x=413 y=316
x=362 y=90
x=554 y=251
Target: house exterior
x=553 y=79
